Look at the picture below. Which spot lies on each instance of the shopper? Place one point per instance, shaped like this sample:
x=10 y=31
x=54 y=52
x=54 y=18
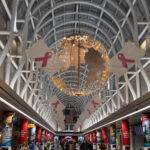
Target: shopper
x=31 y=146
x=103 y=146
x=37 y=146
x=52 y=147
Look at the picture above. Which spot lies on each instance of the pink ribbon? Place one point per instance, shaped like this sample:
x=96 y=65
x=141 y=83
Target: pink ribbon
x=55 y=104
x=44 y=59
x=89 y=111
x=94 y=103
x=122 y=58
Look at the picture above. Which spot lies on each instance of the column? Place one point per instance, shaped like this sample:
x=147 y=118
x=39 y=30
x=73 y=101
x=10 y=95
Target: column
x=99 y=138
x=32 y=128
x=51 y=137
x=104 y=135
x=91 y=138
x=38 y=135
x=42 y=138
x=113 y=137
x=7 y=130
x=146 y=130
x=45 y=139
x=94 y=141
x=87 y=138
x=125 y=135
x=23 y=132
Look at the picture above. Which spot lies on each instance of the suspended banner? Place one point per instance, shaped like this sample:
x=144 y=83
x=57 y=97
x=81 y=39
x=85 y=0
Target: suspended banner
x=45 y=58
x=38 y=135
x=125 y=134
x=7 y=129
x=104 y=135
x=23 y=133
x=146 y=129
x=56 y=105
x=92 y=105
x=125 y=59
x=42 y=136
x=51 y=137
x=46 y=134
x=113 y=137
x=94 y=138
x=33 y=134
x=87 y=138
x=112 y=134
x=99 y=136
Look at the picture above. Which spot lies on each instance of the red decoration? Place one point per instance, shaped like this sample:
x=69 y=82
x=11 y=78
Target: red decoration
x=38 y=135
x=44 y=59
x=125 y=133
x=51 y=137
x=124 y=60
x=94 y=103
x=46 y=134
x=87 y=138
x=104 y=135
x=23 y=133
x=94 y=137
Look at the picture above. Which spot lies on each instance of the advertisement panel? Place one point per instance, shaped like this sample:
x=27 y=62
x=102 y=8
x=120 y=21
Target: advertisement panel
x=7 y=129
x=146 y=129
x=125 y=133
x=38 y=135
x=112 y=134
x=23 y=133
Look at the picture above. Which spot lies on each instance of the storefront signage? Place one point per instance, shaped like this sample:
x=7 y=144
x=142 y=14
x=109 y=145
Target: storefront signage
x=104 y=135
x=31 y=125
x=23 y=133
x=112 y=134
x=7 y=129
x=43 y=136
x=125 y=133
x=38 y=135
x=146 y=129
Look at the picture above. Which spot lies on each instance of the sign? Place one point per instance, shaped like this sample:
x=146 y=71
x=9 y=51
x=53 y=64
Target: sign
x=45 y=58
x=32 y=134
x=104 y=135
x=43 y=136
x=94 y=137
x=125 y=133
x=31 y=125
x=98 y=135
x=45 y=139
x=38 y=135
x=146 y=129
x=125 y=59
x=7 y=129
x=51 y=137
x=23 y=133
x=112 y=134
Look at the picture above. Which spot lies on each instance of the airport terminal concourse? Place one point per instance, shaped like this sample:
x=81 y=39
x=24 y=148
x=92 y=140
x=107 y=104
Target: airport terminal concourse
x=74 y=74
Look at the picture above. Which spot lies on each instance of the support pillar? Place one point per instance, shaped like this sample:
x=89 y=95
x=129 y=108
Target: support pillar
x=51 y=137
x=38 y=135
x=45 y=139
x=94 y=141
x=32 y=133
x=113 y=137
x=125 y=135
x=146 y=130
x=99 y=136
x=104 y=135
x=7 y=130
x=23 y=132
